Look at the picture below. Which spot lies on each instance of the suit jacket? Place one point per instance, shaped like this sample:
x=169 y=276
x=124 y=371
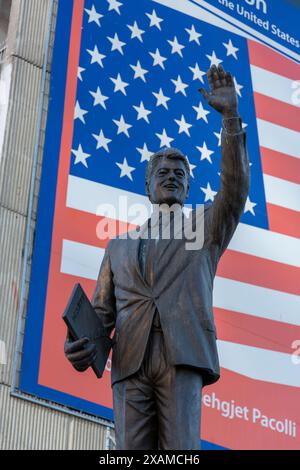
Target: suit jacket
x=182 y=280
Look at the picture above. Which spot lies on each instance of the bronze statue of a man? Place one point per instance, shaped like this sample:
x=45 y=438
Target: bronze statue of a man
x=158 y=297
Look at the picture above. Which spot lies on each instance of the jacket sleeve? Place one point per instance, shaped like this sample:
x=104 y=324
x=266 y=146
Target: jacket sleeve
x=103 y=300
x=224 y=213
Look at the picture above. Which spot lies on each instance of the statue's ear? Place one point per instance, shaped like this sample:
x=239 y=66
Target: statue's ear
x=187 y=191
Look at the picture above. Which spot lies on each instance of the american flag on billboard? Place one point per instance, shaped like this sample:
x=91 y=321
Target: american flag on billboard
x=133 y=80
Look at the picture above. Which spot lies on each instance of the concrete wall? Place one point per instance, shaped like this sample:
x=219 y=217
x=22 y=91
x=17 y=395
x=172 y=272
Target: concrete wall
x=24 y=424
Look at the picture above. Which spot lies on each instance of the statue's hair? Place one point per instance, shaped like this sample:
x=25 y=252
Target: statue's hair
x=167 y=152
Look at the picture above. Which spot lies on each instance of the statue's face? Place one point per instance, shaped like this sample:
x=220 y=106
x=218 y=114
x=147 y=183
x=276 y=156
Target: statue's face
x=168 y=183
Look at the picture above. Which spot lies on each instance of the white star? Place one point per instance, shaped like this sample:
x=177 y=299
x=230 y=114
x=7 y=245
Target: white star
x=79 y=112
x=205 y=153
x=126 y=170
x=93 y=15
x=209 y=193
x=161 y=99
x=194 y=36
x=237 y=87
x=117 y=45
x=145 y=153
x=183 y=125
x=214 y=59
x=191 y=167
x=201 y=112
x=249 y=206
x=158 y=59
x=96 y=56
x=176 y=47
x=136 y=32
x=244 y=125
x=218 y=136
x=231 y=50
x=142 y=112
x=99 y=98
x=122 y=126
x=114 y=5
x=198 y=74
x=139 y=72
x=119 y=84
x=79 y=72
x=80 y=156
x=165 y=141
x=179 y=85
x=102 y=141
x=154 y=19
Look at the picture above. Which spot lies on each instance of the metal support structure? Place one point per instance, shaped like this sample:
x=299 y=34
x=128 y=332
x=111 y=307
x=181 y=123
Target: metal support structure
x=61 y=409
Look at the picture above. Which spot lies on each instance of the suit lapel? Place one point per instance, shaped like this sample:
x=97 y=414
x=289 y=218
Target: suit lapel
x=159 y=252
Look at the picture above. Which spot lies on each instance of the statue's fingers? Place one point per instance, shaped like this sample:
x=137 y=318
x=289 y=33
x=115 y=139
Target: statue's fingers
x=85 y=362
x=210 y=79
x=222 y=76
x=216 y=77
x=86 y=354
x=229 y=79
x=75 y=345
x=217 y=83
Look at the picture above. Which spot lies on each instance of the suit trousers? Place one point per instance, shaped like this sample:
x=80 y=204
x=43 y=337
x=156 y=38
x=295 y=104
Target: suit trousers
x=159 y=406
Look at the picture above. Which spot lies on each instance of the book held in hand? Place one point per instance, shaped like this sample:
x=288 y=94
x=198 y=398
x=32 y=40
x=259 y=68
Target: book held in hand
x=82 y=321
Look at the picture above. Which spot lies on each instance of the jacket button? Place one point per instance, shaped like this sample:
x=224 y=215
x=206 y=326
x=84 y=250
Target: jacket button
x=156 y=297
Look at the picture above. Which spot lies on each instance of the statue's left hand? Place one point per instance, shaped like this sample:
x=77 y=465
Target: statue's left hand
x=222 y=96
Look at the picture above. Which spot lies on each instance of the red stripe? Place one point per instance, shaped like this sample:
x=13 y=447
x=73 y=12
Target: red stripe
x=254 y=331
x=259 y=272
x=277 y=112
x=268 y=59
x=280 y=165
x=87 y=228
x=284 y=220
x=81 y=227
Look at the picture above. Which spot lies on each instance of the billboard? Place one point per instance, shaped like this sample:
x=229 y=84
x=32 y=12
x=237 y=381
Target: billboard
x=124 y=82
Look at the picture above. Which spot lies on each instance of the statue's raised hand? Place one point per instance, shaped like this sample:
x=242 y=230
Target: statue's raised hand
x=222 y=96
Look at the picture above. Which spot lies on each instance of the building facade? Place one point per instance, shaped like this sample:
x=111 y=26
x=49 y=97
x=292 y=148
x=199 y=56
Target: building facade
x=27 y=30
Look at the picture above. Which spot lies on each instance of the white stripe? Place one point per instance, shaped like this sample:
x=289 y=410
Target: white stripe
x=103 y=200
x=282 y=193
x=231 y=24
x=84 y=261
x=256 y=301
x=266 y=244
x=81 y=260
x=278 y=138
x=272 y=85
x=86 y=196
x=259 y=364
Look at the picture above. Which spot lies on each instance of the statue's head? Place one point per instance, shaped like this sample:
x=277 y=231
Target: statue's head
x=167 y=177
